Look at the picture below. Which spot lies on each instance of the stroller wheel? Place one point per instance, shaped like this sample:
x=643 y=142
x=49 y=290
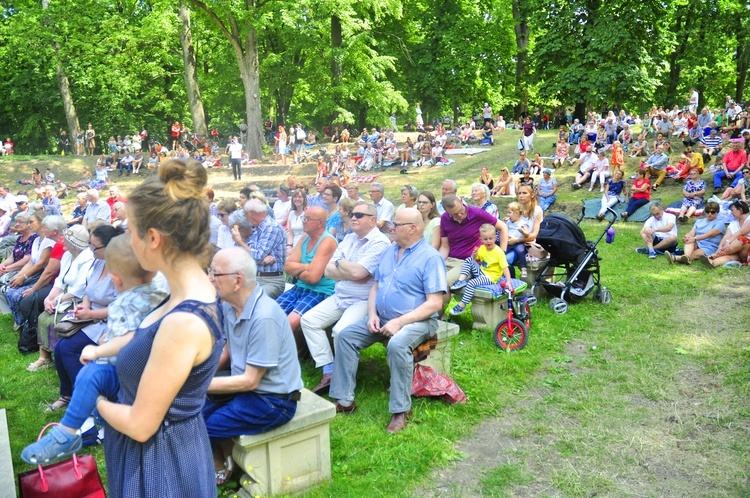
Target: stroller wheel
x=558 y=305
x=511 y=336
x=603 y=296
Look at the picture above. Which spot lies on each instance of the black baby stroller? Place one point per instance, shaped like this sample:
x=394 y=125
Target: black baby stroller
x=572 y=271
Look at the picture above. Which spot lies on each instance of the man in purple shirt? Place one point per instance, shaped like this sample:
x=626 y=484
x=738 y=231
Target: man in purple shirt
x=459 y=233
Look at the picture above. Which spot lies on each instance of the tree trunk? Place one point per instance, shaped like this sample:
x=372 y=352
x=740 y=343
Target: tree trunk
x=191 y=78
x=336 y=70
x=247 y=60
x=71 y=115
x=522 y=42
x=682 y=29
x=742 y=64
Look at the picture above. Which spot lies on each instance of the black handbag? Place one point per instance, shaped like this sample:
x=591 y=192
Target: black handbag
x=27 y=342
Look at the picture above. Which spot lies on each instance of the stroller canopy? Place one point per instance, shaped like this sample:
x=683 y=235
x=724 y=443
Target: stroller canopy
x=563 y=239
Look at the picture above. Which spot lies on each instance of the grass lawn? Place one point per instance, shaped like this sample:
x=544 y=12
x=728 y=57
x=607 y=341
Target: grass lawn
x=646 y=396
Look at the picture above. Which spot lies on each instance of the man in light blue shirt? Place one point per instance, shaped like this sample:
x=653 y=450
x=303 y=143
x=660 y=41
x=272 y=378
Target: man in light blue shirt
x=96 y=209
x=402 y=313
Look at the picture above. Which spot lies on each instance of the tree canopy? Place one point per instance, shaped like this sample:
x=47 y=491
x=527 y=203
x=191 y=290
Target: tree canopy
x=322 y=62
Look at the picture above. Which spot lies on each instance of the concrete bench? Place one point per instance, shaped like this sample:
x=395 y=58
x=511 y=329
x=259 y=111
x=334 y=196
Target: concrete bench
x=290 y=458
x=488 y=311
x=7 y=476
x=440 y=357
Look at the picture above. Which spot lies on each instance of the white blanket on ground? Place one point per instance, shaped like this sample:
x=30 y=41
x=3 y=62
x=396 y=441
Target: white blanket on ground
x=467 y=151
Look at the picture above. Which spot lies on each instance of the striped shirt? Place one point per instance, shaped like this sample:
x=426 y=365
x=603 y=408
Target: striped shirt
x=365 y=252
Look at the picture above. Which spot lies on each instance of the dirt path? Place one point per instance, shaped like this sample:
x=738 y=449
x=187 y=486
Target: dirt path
x=622 y=419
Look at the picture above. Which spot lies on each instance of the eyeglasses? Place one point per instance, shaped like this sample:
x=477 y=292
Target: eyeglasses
x=212 y=273
x=710 y=211
x=95 y=248
x=305 y=219
x=746 y=172
x=401 y=224
x=359 y=215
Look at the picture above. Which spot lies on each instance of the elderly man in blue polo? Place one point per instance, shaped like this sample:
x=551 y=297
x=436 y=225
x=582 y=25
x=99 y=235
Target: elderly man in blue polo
x=403 y=308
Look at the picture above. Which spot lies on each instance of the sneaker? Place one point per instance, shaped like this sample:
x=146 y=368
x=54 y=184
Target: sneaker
x=652 y=255
x=55 y=445
x=732 y=264
x=458 y=284
x=655 y=187
x=457 y=310
x=524 y=273
x=642 y=250
x=669 y=257
x=624 y=216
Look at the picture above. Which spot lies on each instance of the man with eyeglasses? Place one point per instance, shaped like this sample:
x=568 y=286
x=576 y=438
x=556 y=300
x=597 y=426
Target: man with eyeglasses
x=459 y=233
x=307 y=263
x=264 y=381
x=659 y=232
x=402 y=308
x=352 y=267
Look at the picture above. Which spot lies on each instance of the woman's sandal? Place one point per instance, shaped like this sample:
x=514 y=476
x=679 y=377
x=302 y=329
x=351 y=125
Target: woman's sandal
x=61 y=402
x=224 y=474
x=40 y=364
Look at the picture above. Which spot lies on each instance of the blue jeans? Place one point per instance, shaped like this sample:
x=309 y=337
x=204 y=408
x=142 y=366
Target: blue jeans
x=516 y=254
x=93 y=379
x=546 y=202
x=67 y=362
x=356 y=337
x=720 y=175
x=634 y=204
x=246 y=413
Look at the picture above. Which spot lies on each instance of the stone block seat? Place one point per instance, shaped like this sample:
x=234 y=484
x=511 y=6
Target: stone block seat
x=290 y=458
x=487 y=311
x=440 y=346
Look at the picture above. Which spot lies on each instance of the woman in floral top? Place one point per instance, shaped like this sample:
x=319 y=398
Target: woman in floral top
x=692 y=195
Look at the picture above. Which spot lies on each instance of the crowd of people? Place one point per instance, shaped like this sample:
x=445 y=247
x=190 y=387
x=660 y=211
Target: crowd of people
x=188 y=330
x=105 y=306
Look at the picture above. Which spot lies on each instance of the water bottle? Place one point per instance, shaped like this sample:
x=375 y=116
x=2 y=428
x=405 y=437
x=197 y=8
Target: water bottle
x=610 y=235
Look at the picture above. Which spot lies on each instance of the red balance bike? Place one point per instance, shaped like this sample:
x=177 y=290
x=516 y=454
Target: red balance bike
x=513 y=332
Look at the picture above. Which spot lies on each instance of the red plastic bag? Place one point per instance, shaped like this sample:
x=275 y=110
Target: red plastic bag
x=427 y=382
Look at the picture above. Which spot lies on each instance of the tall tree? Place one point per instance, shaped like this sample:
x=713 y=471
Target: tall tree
x=237 y=23
x=71 y=115
x=191 y=79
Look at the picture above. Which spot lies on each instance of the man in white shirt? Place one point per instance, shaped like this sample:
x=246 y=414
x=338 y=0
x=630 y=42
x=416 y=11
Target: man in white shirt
x=235 y=158
x=659 y=232
x=384 y=206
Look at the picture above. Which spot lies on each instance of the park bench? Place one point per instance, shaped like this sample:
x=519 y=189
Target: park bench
x=290 y=458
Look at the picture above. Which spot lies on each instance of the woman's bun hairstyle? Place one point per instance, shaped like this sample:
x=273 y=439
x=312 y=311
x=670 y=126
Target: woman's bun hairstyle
x=173 y=203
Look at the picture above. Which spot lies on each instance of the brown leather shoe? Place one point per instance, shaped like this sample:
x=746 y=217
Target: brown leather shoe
x=398 y=422
x=323 y=385
x=346 y=410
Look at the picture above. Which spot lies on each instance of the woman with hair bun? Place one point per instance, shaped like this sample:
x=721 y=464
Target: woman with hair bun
x=156 y=443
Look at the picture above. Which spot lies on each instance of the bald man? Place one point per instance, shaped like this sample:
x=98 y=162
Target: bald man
x=403 y=308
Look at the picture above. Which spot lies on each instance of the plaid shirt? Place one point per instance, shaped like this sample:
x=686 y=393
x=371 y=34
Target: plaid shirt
x=268 y=238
